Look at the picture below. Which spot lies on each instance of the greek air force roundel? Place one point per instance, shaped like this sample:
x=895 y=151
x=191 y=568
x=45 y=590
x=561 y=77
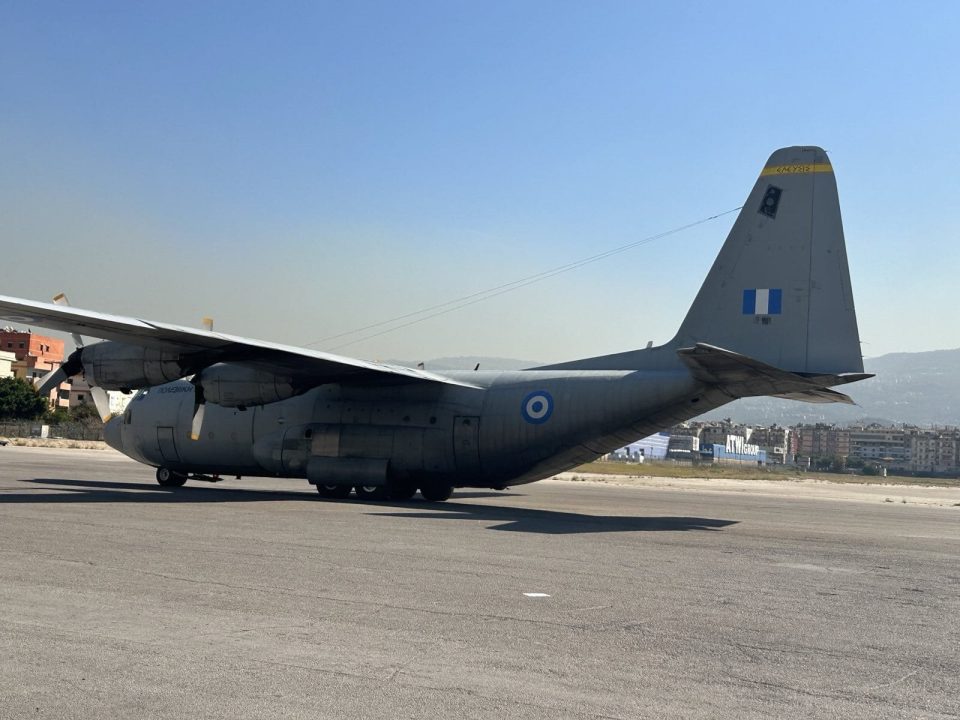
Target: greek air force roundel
x=537 y=407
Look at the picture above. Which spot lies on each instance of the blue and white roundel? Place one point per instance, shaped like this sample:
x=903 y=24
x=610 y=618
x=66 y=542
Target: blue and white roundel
x=537 y=407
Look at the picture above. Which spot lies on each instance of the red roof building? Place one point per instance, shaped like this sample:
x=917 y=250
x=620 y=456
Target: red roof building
x=36 y=356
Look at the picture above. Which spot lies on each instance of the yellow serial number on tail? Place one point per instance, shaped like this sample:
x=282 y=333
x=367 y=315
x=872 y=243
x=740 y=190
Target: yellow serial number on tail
x=797 y=169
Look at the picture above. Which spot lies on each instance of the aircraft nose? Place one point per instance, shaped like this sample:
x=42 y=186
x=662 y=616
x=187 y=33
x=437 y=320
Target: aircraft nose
x=111 y=433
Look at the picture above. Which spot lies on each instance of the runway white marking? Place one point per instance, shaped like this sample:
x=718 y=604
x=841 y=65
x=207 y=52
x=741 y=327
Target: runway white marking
x=536 y=595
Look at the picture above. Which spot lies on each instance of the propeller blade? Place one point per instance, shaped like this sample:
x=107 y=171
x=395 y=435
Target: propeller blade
x=51 y=380
x=101 y=401
x=199 y=407
x=61 y=299
x=197 y=423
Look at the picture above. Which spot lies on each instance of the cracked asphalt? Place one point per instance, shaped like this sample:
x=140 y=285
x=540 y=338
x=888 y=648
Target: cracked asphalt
x=254 y=598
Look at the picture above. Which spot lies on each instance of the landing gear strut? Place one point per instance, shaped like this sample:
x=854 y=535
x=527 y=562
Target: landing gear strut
x=168 y=478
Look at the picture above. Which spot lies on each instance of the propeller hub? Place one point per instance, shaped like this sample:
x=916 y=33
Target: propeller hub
x=73 y=365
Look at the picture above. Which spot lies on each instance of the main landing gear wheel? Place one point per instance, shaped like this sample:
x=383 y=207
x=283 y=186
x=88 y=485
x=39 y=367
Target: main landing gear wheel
x=168 y=478
x=401 y=491
x=371 y=492
x=334 y=492
x=436 y=492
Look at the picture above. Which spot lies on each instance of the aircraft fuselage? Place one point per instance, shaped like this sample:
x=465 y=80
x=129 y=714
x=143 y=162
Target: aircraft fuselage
x=514 y=427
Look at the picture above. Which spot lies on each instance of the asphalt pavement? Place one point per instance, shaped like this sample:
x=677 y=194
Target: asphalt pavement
x=254 y=598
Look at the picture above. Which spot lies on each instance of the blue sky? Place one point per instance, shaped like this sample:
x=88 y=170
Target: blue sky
x=298 y=170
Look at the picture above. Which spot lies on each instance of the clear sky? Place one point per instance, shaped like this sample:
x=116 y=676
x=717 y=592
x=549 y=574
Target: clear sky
x=297 y=170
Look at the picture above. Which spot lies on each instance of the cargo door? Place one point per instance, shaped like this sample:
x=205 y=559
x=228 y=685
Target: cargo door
x=466 y=443
x=168 y=447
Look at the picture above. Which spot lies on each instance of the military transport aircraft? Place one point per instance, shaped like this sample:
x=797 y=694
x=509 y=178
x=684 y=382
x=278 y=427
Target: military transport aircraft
x=775 y=316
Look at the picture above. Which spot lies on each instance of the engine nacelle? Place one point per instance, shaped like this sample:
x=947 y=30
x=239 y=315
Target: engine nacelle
x=118 y=366
x=240 y=386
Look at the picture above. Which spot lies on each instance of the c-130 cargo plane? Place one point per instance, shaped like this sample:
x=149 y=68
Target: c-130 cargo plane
x=775 y=317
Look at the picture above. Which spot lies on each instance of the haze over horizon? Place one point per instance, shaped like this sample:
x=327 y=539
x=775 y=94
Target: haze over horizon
x=304 y=170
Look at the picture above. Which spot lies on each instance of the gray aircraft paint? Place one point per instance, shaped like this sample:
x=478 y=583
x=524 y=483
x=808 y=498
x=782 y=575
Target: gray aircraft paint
x=774 y=316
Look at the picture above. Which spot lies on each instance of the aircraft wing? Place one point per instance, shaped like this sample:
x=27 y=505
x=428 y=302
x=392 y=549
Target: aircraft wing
x=314 y=366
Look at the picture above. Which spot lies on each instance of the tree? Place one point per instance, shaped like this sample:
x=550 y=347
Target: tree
x=56 y=416
x=821 y=463
x=85 y=412
x=19 y=400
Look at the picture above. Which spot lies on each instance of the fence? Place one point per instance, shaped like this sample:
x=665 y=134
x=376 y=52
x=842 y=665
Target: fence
x=68 y=431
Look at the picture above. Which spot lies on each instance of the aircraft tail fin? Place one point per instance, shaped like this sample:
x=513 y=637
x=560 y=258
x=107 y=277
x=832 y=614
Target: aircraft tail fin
x=779 y=291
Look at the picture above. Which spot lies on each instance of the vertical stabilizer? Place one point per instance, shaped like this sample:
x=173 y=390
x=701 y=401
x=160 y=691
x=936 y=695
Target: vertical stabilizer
x=779 y=291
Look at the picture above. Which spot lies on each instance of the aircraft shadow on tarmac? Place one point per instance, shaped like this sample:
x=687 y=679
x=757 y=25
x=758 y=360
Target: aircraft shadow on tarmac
x=553 y=522
x=105 y=491
x=511 y=519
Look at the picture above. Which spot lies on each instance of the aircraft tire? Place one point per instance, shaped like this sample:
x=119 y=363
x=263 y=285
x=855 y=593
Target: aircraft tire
x=436 y=492
x=168 y=478
x=370 y=492
x=334 y=492
x=401 y=491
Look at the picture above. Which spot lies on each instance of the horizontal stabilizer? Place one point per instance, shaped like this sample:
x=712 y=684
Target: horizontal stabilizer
x=818 y=395
x=741 y=376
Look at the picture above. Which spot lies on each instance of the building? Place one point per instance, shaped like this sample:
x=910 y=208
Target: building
x=717 y=433
x=683 y=447
x=934 y=451
x=822 y=441
x=78 y=393
x=36 y=355
x=734 y=449
x=886 y=445
x=775 y=442
x=653 y=447
x=898 y=448
x=750 y=455
x=905 y=449
x=7 y=359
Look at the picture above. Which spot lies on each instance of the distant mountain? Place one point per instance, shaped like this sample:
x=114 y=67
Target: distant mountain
x=916 y=388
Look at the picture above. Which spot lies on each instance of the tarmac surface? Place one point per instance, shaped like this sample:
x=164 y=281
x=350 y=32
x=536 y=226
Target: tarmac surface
x=255 y=598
